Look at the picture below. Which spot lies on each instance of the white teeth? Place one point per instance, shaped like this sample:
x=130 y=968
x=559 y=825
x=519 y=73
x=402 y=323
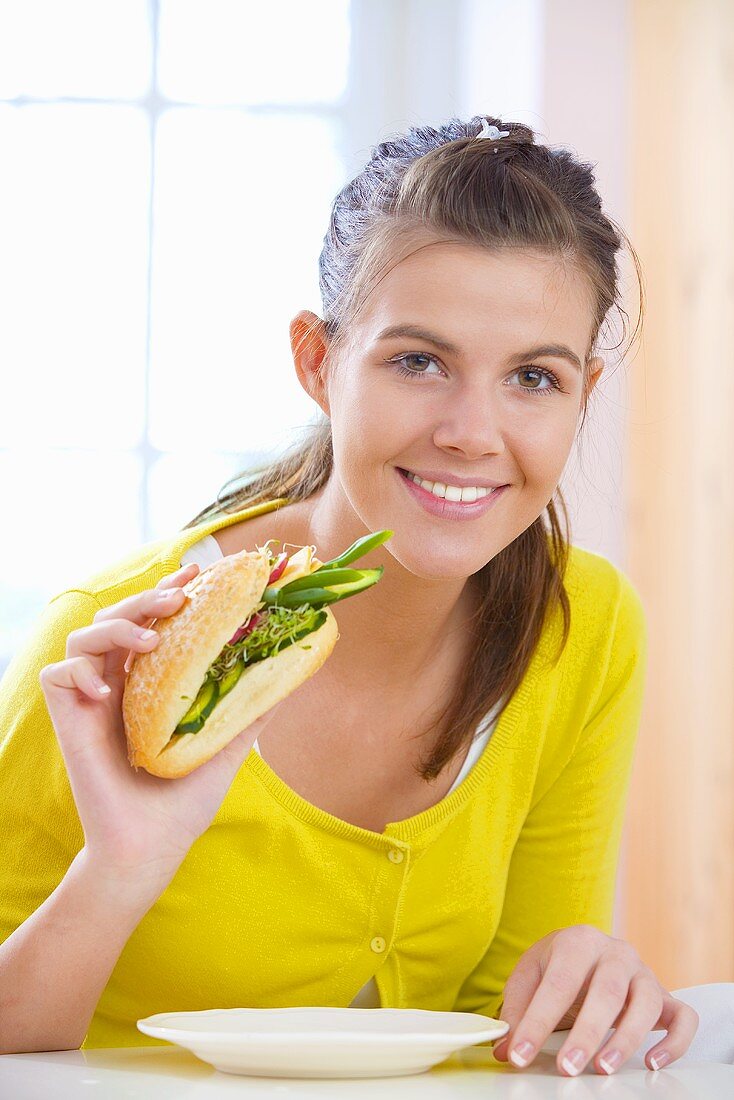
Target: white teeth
x=451 y=492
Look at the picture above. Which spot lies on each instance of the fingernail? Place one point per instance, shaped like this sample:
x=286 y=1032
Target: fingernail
x=660 y=1059
x=610 y=1061
x=145 y=634
x=168 y=593
x=573 y=1061
x=520 y=1054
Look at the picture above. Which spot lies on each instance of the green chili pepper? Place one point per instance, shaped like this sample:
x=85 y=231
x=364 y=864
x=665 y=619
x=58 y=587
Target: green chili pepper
x=314 y=597
x=327 y=579
x=358 y=549
x=318 y=596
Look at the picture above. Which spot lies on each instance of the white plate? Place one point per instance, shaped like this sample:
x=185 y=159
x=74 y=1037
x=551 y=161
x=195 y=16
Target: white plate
x=323 y=1042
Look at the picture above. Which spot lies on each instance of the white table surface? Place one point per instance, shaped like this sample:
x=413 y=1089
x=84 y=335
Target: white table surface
x=162 y=1073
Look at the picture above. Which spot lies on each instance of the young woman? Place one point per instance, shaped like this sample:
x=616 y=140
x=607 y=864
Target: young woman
x=432 y=820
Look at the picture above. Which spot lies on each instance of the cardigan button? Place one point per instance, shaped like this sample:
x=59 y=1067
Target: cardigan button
x=377 y=944
x=396 y=855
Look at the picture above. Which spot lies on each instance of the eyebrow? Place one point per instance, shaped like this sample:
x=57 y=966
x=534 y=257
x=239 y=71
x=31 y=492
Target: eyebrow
x=558 y=351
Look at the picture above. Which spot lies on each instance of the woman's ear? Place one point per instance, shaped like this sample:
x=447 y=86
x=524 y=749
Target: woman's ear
x=309 y=343
x=596 y=366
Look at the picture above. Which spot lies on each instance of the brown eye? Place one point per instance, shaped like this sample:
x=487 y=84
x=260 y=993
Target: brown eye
x=542 y=371
x=407 y=372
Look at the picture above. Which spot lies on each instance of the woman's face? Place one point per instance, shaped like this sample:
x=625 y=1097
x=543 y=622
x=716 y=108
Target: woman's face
x=487 y=409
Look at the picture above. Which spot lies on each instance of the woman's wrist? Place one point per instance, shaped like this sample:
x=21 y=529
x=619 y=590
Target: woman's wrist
x=131 y=891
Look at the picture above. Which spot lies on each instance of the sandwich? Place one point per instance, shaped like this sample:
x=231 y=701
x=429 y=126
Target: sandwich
x=253 y=627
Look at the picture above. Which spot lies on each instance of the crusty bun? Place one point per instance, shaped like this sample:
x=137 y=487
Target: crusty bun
x=161 y=683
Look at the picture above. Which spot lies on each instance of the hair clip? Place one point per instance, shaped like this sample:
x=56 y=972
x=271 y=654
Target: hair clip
x=491 y=132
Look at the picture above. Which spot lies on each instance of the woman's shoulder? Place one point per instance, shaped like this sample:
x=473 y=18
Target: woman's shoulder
x=603 y=595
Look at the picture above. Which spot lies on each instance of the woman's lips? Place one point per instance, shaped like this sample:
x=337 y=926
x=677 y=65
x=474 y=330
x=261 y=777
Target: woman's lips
x=450 y=509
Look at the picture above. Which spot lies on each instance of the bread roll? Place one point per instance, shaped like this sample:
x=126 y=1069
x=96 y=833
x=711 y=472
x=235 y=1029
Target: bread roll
x=162 y=684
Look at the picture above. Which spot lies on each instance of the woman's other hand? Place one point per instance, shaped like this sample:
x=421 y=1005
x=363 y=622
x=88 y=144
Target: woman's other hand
x=582 y=979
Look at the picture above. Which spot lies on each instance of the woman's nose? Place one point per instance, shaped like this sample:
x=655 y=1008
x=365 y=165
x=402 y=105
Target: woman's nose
x=471 y=424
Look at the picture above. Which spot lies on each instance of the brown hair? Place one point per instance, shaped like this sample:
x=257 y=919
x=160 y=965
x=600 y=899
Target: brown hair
x=506 y=193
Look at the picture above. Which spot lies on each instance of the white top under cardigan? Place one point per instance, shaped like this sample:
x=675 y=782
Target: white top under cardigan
x=205 y=552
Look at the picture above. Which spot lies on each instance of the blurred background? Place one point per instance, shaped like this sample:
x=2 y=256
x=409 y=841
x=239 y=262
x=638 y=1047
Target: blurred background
x=166 y=173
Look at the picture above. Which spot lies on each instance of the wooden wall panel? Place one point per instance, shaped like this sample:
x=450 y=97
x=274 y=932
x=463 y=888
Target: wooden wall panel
x=678 y=869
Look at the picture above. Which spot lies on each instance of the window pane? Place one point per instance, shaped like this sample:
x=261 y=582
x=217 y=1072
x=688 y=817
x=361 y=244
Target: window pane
x=72 y=512
x=226 y=51
x=97 y=48
x=240 y=220
x=182 y=484
x=74 y=201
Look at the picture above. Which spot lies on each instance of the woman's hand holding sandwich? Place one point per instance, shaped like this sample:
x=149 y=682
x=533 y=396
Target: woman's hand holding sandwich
x=137 y=827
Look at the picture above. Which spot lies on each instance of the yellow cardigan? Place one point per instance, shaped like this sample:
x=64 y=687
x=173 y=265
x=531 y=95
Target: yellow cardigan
x=280 y=903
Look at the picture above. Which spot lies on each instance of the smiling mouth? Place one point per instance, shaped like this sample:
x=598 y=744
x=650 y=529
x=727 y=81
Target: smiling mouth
x=479 y=493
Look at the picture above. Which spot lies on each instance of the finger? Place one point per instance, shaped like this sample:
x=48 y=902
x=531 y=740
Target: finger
x=158 y=604
x=565 y=974
x=606 y=997
x=74 y=674
x=681 y=1022
x=90 y=749
x=145 y=607
x=629 y=1001
x=181 y=576
x=518 y=993
x=62 y=684
x=151 y=603
x=96 y=641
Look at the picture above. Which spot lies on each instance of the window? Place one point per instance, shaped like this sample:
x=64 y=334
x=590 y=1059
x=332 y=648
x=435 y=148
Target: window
x=168 y=170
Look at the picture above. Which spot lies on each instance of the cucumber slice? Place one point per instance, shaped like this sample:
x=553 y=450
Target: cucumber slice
x=201 y=708
x=230 y=678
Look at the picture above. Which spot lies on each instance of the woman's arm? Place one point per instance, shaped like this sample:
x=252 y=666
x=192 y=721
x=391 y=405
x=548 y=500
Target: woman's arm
x=564 y=863
x=563 y=867
x=54 y=966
